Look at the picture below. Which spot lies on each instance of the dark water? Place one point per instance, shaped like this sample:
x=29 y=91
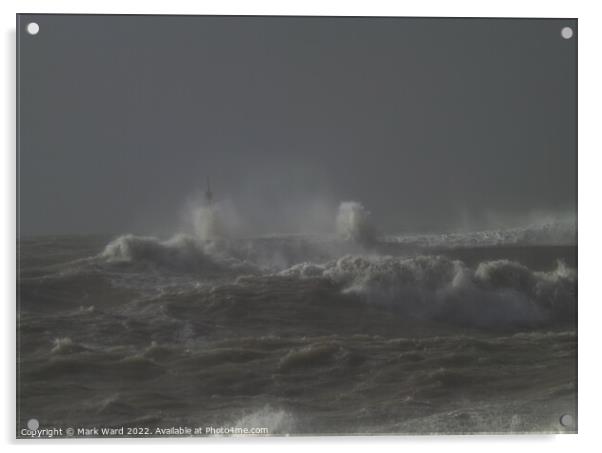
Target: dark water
x=296 y=335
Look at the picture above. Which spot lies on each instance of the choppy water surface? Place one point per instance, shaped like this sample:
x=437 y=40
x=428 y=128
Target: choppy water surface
x=300 y=335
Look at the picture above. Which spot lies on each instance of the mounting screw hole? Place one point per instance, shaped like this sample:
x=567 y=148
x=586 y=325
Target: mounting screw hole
x=566 y=32
x=33 y=424
x=567 y=421
x=33 y=28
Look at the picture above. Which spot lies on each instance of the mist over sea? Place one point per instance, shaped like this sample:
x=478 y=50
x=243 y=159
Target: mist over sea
x=342 y=333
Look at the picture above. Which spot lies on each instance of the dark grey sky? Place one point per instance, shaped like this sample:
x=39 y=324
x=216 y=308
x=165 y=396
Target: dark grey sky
x=429 y=122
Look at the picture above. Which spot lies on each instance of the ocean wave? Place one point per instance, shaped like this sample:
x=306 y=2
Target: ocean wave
x=66 y=345
x=180 y=253
x=308 y=356
x=189 y=254
x=184 y=253
x=277 y=421
x=499 y=292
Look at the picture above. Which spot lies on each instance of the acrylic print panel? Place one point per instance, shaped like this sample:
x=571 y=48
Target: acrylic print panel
x=296 y=225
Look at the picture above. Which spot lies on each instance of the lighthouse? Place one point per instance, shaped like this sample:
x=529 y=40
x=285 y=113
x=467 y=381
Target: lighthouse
x=208 y=194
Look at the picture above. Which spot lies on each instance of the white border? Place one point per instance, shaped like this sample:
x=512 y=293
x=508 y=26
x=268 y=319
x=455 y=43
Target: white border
x=590 y=227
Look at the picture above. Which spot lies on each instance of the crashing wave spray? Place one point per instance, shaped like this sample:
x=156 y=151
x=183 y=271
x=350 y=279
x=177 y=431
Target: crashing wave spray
x=353 y=223
x=206 y=222
x=206 y=218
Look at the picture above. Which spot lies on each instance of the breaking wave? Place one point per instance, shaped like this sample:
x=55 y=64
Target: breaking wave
x=482 y=292
x=180 y=253
x=66 y=346
x=493 y=293
x=277 y=421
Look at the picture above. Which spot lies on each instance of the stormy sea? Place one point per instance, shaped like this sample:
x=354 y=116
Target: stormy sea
x=349 y=333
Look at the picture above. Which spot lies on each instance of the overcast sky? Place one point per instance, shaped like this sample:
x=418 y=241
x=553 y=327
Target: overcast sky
x=430 y=123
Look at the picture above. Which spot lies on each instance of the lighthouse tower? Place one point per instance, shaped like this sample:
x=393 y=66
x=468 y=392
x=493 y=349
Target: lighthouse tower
x=208 y=194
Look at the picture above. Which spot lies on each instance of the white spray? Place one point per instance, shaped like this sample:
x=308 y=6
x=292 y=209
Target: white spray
x=206 y=222
x=353 y=223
